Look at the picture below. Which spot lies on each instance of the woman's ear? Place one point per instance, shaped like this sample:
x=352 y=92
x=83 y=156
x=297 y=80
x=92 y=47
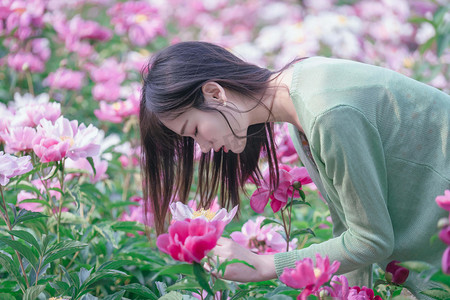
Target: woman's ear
x=212 y=91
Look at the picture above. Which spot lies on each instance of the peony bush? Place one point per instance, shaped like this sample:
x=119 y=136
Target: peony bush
x=71 y=206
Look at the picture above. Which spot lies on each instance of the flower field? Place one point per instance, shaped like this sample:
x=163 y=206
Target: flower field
x=71 y=207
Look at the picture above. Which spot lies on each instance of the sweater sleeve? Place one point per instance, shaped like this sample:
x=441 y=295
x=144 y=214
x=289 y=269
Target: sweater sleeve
x=349 y=155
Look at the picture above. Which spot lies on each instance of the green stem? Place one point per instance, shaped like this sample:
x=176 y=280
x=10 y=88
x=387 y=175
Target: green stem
x=8 y=223
x=30 y=82
x=61 y=200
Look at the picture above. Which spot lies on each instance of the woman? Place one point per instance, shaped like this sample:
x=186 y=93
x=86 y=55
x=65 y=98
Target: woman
x=376 y=144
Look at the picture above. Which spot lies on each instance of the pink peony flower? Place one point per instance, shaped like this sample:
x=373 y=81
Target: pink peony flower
x=446 y=261
x=262 y=240
x=444 y=200
x=65 y=138
x=65 y=79
x=338 y=288
x=11 y=166
x=22 y=61
x=107 y=91
x=364 y=293
x=101 y=166
x=38 y=207
x=109 y=71
x=18 y=139
x=444 y=235
x=286 y=152
x=190 y=240
x=308 y=277
x=285 y=190
x=138 y=19
x=31 y=206
x=181 y=212
x=396 y=273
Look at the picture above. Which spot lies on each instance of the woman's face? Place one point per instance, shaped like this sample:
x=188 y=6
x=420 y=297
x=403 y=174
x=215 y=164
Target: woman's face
x=210 y=129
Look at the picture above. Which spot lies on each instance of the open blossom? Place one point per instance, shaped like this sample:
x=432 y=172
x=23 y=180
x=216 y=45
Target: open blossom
x=22 y=61
x=308 y=277
x=65 y=138
x=11 y=166
x=18 y=139
x=181 y=212
x=285 y=190
x=339 y=290
x=262 y=240
x=65 y=79
x=190 y=240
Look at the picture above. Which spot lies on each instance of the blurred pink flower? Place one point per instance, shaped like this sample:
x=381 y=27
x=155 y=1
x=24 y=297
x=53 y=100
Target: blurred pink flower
x=190 y=240
x=31 y=206
x=308 y=277
x=262 y=240
x=446 y=261
x=338 y=288
x=25 y=17
x=110 y=70
x=18 y=139
x=286 y=152
x=65 y=139
x=65 y=79
x=116 y=111
x=444 y=200
x=107 y=91
x=288 y=177
x=136 y=211
x=138 y=19
x=101 y=166
x=35 y=206
x=22 y=61
x=11 y=166
x=182 y=211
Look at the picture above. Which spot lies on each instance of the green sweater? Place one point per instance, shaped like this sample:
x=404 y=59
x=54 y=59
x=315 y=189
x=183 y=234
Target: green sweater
x=381 y=148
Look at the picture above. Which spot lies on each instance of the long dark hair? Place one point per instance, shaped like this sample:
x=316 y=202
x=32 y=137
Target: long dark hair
x=173 y=82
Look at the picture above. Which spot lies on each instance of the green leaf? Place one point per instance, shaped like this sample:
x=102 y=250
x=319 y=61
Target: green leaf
x=301 y=232
x=27 y=186
x=172 y=296
x=28 y=237
x=128 y=226
x=32 y=292
x=25 y=215
x=22 y=249
x=13 y=270
x=223 y=265
x=52 y=173
x=442 y=43
x=60 y=286
x=4 y=296
x=91 y=162
x=140 y=290
x=116 y=264
x=189 y=284
x=100 y=275
x=269 y=221
x=300 y=202
x=220 y=285
x=436 y=294
x=35 y=200
x=440 y=277
x=201 y=277
x=115 y=296
x=62 y=249
x=185 y=269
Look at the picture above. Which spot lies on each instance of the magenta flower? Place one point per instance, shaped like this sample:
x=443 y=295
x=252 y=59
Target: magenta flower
x=285 y=190
x=18 y=139
x=65 y=138
x=22 y=61
x=65 y=79
x=262 y=240
x=364 y=293
x=446 y=261
x=308 y=277
x=190 y=240
x=444 y=235
x=182 y=211
x=25 y=17
x=444 y=200
x=396 y=273
x=11 y=166
x=338 y=288
x=286 y=152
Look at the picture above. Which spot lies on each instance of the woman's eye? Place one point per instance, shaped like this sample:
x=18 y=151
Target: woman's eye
x=196 y=131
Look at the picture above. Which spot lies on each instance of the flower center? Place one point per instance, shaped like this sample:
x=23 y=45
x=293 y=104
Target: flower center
x=317 y=272
x=206 y=213
x=140 y=18
x=65 y=138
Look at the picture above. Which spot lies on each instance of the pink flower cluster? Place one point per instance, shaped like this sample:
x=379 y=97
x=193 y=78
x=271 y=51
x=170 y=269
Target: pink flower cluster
x=11 y=166
x=65 y=79
x=138 y=19
x=22 y=196
x=262 y=240
x=107 y=77
x=22 y=17
x=308 y=276
x=279 y=198
x=340 y=290
x=444 y=202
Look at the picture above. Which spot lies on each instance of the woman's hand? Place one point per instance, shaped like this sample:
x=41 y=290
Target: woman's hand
x=227 y=249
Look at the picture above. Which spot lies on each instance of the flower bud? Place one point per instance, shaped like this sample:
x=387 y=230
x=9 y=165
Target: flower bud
x=396 y=273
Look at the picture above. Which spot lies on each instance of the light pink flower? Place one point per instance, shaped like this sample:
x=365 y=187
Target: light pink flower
x=181 y=212
x=31 y=206
x=190 y=240
x=138 y=19
x=101 y=166
x=18 y=139
x=37 y=207
x=22 y=61
x=109 y=70
x=308 y=277
x=65 y=79
x=285 y=150
x=65 y=139
x=446 y=261
x=25 y=17
x=285 y=190
x=262 y=240
x=444 y=200
x=107 y=91
x=11 y=166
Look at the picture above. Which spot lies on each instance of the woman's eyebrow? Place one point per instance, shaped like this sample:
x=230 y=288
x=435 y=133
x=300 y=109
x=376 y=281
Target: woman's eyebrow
x=183 y=128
